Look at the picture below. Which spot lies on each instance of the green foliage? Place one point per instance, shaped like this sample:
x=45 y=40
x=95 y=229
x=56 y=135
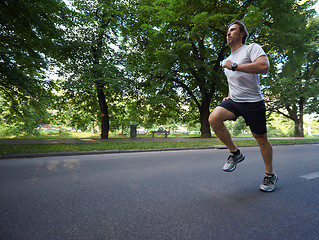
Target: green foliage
x=146 y=62
x=293 y=90
x=31 y=37
x=93 y=80
x=180 y=44
x=237 y=127
x=177 y=47
x=314 y=124
x=279 y=126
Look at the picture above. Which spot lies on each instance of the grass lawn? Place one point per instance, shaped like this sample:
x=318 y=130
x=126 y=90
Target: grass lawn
x=88 y=135
x=57 y=135
x=63 y=147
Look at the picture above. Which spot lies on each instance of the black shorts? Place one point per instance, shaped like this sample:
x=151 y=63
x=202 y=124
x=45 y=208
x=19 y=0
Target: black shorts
x=254 y=114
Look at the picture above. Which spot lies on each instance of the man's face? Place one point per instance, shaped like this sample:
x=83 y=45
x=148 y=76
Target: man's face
x=234 y=36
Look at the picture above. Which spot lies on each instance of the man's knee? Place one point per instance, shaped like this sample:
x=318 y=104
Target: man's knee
x=220 y=115
x=261 y=139
x=214 y=118
x=211 y=119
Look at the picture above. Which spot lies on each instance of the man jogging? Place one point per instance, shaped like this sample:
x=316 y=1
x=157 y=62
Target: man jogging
x=242 y=69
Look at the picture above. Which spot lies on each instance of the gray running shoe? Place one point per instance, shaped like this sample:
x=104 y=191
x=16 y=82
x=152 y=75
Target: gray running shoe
x=269 y=183
x=232 y=161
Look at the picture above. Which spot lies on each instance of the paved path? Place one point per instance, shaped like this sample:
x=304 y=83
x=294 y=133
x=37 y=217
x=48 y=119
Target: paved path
x=160 y=195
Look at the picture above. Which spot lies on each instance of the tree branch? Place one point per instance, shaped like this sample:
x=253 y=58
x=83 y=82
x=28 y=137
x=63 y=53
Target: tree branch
x=183 y=85
x=286 y=115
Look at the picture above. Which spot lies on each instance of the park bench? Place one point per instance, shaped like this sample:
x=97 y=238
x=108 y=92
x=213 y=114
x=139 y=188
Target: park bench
x=160 y=132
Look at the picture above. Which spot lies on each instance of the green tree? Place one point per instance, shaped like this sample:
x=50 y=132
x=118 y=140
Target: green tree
x=178 y=45
x=70 y=111
x=294 y=90
x=31 y=37
x=92 y=73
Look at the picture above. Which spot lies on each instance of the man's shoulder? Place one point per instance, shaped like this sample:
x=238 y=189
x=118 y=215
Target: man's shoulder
x=248 y=48
x=254 y=50
x=253 y=45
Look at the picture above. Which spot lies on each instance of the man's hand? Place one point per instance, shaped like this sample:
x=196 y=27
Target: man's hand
x=225 y=99
x=227 y=64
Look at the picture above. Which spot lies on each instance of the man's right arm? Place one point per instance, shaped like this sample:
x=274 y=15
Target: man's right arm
x=259 y=66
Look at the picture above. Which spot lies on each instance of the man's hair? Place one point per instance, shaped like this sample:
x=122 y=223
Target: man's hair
x=242 y=28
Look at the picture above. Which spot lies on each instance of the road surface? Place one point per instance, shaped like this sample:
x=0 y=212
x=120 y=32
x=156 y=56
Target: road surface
x=160 y=195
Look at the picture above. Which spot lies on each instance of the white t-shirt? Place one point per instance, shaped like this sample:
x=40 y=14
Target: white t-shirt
x=245 y=87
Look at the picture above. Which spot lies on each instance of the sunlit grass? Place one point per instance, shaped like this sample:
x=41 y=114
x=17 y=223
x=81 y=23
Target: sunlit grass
x=59 y=135
x=59 y=147
x=89 y=135
x=100 y=146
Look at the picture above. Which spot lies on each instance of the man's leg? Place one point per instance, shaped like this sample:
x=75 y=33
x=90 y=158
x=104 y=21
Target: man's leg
x=270 y=178
x=266 y=151
x=216 y=120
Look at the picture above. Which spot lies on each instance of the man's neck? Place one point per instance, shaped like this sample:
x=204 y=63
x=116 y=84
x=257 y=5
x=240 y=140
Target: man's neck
x=234 y=48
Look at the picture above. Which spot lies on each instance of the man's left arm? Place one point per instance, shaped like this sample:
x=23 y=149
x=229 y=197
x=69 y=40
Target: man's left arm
x=259 y=66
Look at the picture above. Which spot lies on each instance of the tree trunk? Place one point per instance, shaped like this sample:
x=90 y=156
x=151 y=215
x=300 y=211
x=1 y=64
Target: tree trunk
x=105 y=122
x=204 y=114
x=299 y=127
x=299 y=119
x=97 y=53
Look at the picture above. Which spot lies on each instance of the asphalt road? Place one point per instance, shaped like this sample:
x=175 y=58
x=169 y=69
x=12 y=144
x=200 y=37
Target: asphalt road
x=160 y=195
